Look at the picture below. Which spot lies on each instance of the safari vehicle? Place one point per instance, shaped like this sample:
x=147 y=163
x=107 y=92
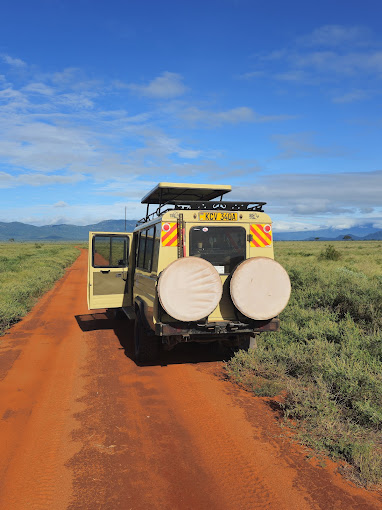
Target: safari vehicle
x=196 y=269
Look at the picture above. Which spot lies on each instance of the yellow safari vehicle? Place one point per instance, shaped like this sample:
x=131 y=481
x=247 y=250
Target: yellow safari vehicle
x=198 y=268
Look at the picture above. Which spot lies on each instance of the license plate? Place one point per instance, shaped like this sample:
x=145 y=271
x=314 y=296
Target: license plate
x=218 y=216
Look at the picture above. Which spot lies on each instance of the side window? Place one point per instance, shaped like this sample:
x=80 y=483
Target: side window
x=141 y=249
x=156 y=247
x=136 y=247
x=149 y=248
x=110 y=251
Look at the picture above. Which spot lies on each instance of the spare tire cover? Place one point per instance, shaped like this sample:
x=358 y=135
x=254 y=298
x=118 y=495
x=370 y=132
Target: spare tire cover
x=260 y=288
x=189 y=288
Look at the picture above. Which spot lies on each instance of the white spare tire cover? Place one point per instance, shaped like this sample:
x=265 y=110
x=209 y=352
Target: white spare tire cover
x=189 y=289
x=260 y=288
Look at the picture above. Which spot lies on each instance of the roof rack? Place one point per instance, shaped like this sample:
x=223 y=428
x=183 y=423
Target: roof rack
x=183 y=196
x=211 y=206
x=195 y=205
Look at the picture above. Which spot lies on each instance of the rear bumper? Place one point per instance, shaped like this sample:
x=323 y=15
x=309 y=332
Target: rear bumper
x=219 y=329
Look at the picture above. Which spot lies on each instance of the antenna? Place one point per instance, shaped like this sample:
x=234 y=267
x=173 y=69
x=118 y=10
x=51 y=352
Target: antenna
x=125 y=218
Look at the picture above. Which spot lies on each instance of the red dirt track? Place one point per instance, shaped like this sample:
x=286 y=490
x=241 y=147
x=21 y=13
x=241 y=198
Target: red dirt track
x=83 y=427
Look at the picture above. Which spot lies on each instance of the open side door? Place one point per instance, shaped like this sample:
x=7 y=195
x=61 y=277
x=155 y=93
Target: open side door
x=109 y=284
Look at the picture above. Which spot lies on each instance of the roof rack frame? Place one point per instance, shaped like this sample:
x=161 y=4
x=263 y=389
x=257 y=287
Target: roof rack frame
x=195 y=205
x=221 y=205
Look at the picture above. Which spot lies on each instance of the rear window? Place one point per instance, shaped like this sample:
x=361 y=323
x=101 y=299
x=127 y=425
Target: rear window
x=224 y=247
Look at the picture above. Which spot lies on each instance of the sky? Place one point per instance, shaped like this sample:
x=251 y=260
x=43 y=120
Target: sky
x=100 y=101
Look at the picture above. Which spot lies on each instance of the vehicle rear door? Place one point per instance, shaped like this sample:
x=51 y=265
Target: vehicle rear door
x=109 y=284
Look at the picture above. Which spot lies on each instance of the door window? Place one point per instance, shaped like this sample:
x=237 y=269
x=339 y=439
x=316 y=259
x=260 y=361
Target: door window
x=110 y=251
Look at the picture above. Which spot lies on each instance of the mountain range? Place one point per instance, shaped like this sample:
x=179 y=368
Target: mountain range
x=24 y=232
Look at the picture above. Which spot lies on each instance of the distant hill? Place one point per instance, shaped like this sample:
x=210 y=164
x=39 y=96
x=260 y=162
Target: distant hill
x=376 y=236
x=366 y=232
x=23 y=232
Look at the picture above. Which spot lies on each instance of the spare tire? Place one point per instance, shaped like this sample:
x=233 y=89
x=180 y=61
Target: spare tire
x=260 y=288
x=189 y=289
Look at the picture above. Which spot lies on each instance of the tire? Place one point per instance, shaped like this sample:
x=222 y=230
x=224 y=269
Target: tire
x=146 y=346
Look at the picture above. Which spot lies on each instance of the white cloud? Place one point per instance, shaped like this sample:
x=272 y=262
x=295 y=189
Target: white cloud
x=45 y=147
x=61 y=203
x=39 y=88
x=11 y=181
x=301 y=145
x=317 y=194
x=10 y=94
x=6 y=180
x=292 y=76
x=292 y=226
x=67 y=76
x=13 y=62
x=167 y=85
x=272 y=55
x=329 y=54
x=234 y=116
x=335 y=35
x=86 y=214
x=350 y=63
x=51 y=124
x=73 y=100
x=252 y=74
x=350 y=97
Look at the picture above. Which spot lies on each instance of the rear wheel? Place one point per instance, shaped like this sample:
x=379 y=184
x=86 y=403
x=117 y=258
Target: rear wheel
x=146 y=346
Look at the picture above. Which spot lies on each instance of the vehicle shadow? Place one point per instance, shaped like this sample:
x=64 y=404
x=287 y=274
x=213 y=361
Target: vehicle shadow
x=189 y=353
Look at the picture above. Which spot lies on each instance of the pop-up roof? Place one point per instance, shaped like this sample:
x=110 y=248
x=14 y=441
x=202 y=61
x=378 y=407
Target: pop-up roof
x=167 y=191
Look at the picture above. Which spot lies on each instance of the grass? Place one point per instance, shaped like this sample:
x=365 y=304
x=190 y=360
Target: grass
x=328 y=355
x=27 y=270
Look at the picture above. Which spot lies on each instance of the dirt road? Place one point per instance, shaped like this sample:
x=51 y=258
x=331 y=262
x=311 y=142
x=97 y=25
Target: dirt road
x=83 y=427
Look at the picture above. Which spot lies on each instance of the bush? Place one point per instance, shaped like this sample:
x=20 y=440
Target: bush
x=327 y=356
x=330 y=253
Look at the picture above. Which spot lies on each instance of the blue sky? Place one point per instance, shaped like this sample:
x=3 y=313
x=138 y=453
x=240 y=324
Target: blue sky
x=101 y=100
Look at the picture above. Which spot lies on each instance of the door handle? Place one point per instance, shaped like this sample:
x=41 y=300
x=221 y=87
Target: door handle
x=104 y=271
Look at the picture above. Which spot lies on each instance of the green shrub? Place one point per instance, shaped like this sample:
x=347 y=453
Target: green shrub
x=330 y=253
x=328 y=354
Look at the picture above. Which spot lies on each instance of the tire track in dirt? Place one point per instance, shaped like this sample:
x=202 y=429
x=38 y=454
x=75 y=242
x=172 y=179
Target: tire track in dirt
x=135 y=454
x=247 y=443
x=219 y=433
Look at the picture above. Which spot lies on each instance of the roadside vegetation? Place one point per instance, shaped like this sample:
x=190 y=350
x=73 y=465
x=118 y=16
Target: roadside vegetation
x=27 y=270
x=326 y=361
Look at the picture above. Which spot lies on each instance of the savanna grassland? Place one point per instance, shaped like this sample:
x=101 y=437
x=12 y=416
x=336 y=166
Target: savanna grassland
x=27 y=270
x=327 y=359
